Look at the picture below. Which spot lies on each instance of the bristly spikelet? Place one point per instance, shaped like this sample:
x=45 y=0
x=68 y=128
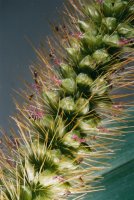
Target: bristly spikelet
x=71 y=114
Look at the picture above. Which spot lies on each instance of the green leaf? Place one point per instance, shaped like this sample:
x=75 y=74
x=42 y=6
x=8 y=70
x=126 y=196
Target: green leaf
x=118 y=183
x=118 y=179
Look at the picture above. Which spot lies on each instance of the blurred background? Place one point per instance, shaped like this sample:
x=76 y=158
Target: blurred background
x=21 y=19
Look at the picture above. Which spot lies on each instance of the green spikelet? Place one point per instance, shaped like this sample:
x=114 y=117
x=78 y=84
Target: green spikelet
x=66 y=124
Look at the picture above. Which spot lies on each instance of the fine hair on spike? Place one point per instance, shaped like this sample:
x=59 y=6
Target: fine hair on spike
x=77 y=108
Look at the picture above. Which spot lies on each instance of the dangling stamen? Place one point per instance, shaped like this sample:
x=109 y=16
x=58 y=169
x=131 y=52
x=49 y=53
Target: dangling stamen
x=35 y=74
x=36 y=87
x=124 y=41
x=103 y=129
x=118 y=106
x=77 y=35
x=59 y=178
x=56 y=80
x=54 y=57
x=57 y=62
x=35 y=113
x=75 y=137
x=82 y=140
x=57 y=28
x=31 y=96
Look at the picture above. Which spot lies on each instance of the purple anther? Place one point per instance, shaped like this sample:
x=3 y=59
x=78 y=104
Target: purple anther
x=100 y=1
x=36 y=87
x=57 y=81
x=57 y=61
x=81 y=140
x=75 y=137
x=118 y=106
x=35 y=113
x=103 y=129
x=77 y=35
x=124 y=41
x=59 y=178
